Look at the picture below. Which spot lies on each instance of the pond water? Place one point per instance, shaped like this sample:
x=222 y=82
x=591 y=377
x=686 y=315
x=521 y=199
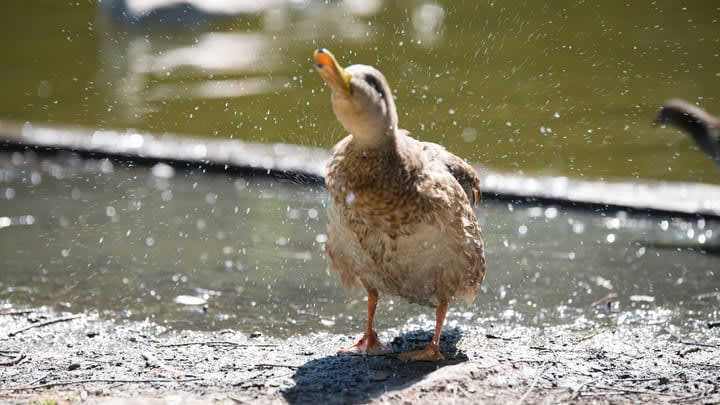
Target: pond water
x=567 y=88
x=134 y=242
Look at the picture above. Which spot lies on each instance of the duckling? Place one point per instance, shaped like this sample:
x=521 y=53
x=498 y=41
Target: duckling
x=400 y=216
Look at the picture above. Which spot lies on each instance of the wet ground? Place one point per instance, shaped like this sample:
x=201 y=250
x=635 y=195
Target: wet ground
x=83 y=358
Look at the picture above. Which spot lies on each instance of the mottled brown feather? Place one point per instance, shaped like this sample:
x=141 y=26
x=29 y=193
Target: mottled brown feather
x=386 y=201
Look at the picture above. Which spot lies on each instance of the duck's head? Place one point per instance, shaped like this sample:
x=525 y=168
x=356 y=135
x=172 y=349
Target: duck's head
x=361 y=99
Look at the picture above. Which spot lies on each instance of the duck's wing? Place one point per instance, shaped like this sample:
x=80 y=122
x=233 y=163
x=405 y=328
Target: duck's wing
x=460 y=170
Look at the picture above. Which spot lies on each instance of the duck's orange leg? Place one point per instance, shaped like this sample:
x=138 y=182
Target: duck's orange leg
x=369 y=343
x=432 y=352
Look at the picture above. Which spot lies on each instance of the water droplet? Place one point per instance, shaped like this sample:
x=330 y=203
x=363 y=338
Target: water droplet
x=189 y=300
x=551 y=212
x=469 y=134
x=640 y=252
x=35 y=178
x=162 y=170
x=211 y=198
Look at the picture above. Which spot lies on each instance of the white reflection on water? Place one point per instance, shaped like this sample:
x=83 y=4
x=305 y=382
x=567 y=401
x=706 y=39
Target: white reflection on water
x=216 y=52
x=136 y=10
x=154 y=51
x=142 y=71
x=427 y=23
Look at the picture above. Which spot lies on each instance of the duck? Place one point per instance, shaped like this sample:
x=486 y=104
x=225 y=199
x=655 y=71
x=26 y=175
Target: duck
x=400 y=213
x=700 y=125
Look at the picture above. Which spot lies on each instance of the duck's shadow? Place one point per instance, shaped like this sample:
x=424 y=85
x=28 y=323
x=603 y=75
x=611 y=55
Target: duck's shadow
x=359 y=379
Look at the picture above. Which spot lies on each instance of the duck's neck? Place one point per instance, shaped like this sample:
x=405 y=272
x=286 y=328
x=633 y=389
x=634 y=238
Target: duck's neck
x=696 y=127
x=700 y=129
x=375 y=142
x=373 y=127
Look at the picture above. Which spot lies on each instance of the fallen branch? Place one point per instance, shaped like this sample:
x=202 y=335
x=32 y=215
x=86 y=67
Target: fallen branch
x=694 y=397
x=661 y=379
x=219 y=343
x=154 y=362
x=15 y=360
x=579 y=389
x=588 y=337
x=684 y=352
x=625 y=390
x=697 y=344
x=17 y=312
x=100 y=380
x=41 y=324
x=8 y=353
x=269 y=365
x=493 y=336
x=37 y=380
x=604 y=300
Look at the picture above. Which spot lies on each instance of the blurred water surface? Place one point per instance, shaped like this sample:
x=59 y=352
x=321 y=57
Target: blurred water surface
x=191 y=250
x=566 y=88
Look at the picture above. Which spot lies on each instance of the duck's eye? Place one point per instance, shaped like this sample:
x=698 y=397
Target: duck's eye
x=375 y=84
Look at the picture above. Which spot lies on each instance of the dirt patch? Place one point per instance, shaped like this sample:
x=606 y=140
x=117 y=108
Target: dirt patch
x=81 y=357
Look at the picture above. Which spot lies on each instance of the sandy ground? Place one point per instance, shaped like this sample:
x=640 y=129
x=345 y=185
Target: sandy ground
x=80 y=358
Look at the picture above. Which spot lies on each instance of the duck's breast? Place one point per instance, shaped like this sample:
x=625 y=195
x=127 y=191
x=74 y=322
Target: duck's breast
x=427 y=264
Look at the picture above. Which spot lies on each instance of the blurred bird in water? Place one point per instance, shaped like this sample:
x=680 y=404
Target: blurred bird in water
x=400 y=219
x=701 y=126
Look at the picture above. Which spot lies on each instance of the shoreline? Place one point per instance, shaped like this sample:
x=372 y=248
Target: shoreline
x=80 y=356
x=305 y=165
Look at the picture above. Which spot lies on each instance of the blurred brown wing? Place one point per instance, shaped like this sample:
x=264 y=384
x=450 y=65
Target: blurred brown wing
x=461 y=170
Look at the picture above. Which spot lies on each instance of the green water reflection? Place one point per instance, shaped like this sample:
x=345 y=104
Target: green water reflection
x=565 y=87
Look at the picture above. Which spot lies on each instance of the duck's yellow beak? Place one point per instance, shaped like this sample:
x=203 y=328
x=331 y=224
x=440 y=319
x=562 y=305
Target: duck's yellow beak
x=337 y=78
